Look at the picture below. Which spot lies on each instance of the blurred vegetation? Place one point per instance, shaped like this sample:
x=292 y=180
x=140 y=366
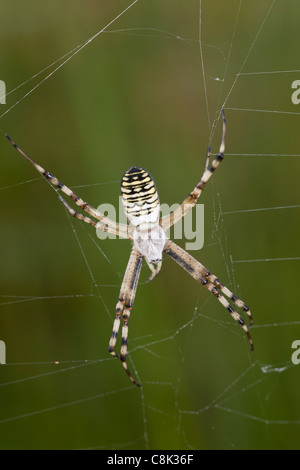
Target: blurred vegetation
x=135 y=96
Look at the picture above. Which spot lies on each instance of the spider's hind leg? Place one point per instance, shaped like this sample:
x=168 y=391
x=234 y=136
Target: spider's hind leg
x=238 y=302
x=235 y=315
x=123 y=308
x=113 y=338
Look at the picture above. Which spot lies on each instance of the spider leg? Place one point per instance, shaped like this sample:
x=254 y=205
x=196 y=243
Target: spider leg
x=105 y=223
x=124 y=304
x=211 y=282
x=192 y=199
x=238 y=302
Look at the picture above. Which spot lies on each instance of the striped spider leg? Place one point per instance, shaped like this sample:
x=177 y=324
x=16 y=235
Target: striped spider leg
x=104 y=223
x=191 y=200
x=148 y=233
x=211 y=282
x=124 y=306
x=141 y=205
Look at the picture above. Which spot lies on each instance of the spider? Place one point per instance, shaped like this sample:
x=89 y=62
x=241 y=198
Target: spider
x=147 y=231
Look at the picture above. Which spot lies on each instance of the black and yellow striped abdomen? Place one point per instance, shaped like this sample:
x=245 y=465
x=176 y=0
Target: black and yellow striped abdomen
x=139 y=196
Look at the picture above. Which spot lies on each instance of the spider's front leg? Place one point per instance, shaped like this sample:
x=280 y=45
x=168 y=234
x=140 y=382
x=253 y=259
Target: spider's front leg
x=191 y=200
x=124 y=306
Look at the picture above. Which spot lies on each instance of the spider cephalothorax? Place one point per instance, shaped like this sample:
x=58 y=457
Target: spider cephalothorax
x=147 y=231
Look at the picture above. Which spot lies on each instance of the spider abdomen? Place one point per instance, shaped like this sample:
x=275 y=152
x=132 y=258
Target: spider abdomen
x=140 y=198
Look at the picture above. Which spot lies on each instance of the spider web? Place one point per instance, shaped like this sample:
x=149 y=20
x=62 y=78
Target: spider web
x=143 y=84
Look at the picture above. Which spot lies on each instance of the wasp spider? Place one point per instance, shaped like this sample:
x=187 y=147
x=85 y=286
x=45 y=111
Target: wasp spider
x=148 y=233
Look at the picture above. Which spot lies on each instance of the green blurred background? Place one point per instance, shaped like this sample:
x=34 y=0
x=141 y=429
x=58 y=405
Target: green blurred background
x=135 y=96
